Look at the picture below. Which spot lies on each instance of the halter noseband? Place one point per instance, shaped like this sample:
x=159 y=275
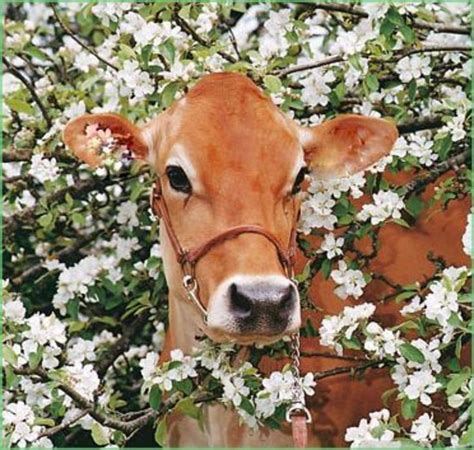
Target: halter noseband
x=188 y=258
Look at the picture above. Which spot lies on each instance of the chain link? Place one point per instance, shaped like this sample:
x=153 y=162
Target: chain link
x=298 y=402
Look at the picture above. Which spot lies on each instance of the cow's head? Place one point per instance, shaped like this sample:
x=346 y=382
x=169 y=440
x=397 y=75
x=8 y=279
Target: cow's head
x=227 y=156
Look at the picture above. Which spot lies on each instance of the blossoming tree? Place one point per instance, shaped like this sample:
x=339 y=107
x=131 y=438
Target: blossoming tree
x=84 y=292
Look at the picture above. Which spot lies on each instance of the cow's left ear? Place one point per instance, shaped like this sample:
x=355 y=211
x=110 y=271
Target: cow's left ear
x=81 y=131
x=347 y=144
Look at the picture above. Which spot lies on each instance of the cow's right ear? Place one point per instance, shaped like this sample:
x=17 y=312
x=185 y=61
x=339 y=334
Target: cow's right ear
x=81 y=135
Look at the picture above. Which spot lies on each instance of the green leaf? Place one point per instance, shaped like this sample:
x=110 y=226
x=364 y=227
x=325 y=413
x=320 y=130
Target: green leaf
x=340 y=90
x=401 y=222
x=405 y=295
x=387 y=394
x=99 y=434
x=412 y=90
x=126 y=52
x=78 y=218
x=247 y=406
x=409 y=408
x=35 y=52
x=9 y=355
x=443 y=147
x=326 y=268
x=44 y=421
x=414 y=205
x=352 y=344
x=155 y=397
x=372 y=82
x=272 y=83
x=20 y=106
x=456 y=381
x=46 y=220
x=187 y=407
x=185 y=386
x=408 y=34
x=34 y=359
x=161 y=432
x=394 y=17
x=168 y=94
x=411 y=353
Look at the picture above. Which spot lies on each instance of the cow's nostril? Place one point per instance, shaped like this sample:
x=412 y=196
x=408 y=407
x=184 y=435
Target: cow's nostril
x=241 y=304
x=287 y=300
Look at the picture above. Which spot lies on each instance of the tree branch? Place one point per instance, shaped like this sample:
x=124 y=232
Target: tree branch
x=76 y=39
x=191 y=32
x=63 y=425
x=119 y=346
x=331 y=355
x=350 y=369
x=61 y=255
x=16 y=73
x=451 y=163
x=399 y=53
x=420 y=124
x=309 y=66
x=420 y=24
x=103 y=418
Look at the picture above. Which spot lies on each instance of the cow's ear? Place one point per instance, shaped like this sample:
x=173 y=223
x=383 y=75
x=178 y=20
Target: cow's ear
x=81 y=134
x=347 y=144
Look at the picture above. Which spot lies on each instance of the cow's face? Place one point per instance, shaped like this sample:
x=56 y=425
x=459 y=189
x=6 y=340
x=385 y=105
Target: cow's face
x=227 y=157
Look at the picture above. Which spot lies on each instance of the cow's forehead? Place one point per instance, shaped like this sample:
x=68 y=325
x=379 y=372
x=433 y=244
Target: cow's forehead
x=226 y=123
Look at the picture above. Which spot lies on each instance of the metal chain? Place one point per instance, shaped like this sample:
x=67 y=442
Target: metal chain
x=298 y=402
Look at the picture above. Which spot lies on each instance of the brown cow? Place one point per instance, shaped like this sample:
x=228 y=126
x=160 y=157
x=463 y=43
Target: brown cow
x=228 y=159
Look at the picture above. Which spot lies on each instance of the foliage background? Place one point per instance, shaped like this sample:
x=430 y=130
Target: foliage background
x=84 y=294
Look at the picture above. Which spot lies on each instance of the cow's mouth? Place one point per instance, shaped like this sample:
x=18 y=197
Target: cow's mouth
x=220 y=335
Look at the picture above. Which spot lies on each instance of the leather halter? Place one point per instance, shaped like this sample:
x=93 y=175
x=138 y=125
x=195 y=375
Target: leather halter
x=298 y=415
x=188 y=258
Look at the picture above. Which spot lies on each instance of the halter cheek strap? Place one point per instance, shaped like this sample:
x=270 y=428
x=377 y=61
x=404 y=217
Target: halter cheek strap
x=188 y=258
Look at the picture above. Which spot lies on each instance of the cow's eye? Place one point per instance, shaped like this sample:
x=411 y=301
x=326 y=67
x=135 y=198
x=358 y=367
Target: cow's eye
x=178 y=179
x=298 y=180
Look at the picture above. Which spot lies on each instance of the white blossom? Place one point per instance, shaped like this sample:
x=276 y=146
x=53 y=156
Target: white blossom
x=331 y=245
x=43 y=169
x=423 y=429
x=467 y=237
x=413 y=67
x=386 y=205
x=350 y=281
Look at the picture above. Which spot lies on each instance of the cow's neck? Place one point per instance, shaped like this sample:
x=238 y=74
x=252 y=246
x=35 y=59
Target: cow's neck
x=183 y=326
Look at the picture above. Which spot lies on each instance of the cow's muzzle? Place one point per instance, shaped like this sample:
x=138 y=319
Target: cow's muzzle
x=245 y=307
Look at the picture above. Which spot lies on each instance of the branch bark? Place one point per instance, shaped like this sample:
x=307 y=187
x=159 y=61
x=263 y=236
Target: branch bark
x=102 y=417
x=191 y=32
x=350 y=369
x=68 y=31
x=451 y=163
x=420 y=24
x=16 y=73
x=399 y=54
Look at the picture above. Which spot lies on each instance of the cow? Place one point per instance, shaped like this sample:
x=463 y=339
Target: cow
x=228 y=159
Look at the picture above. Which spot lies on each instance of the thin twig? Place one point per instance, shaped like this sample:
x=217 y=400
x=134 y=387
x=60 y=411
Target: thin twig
x=420 y=24
x=16 y=73
x=312 y=354
x=434 y=172
x=187 y=28
x=399 y=54
x=68 y=31
x=309 y=66
x=461 y=420
x=233 y=40
x=63 y=425
x=349 y=369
